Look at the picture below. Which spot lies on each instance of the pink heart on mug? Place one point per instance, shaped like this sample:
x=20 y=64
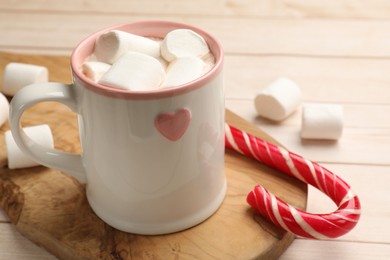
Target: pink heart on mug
x=173 y=125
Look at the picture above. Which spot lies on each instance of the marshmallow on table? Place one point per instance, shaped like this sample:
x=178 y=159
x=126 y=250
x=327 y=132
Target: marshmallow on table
x=183 y=70
x=109 y=47
x=95 y=69
x=278 y=100
x=41 y=134
x=183 y=43
x=18 y=75
x=322 y=121
x=134 y=71
x=4 y=109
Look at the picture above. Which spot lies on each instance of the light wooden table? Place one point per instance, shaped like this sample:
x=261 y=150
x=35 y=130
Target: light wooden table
x=338 y=51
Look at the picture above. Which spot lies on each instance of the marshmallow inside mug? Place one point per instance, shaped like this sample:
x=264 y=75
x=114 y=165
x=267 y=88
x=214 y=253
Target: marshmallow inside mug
x=152 y=29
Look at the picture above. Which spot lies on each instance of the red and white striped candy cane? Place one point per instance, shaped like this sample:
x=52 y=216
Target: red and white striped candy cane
x=301 y=223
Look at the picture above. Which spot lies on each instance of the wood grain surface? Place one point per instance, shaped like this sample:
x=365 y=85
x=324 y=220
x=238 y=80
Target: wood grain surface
x=50 y=208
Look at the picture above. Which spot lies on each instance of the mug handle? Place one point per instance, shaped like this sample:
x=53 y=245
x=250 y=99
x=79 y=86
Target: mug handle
x=27 y=97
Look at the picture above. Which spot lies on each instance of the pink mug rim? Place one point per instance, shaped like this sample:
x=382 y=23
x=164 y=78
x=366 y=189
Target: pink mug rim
x=85 y=48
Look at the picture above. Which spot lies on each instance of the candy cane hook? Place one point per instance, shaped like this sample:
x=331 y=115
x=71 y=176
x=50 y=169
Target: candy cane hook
x=299 y=222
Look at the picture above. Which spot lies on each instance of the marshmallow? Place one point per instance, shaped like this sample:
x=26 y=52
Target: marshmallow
x=209 y=60
x=134 y=71
x=163 y=62
x=94 y=70
x=18 y=75
x=109 y=47
x=278 y=100
x=183 y=43
x=322 y=121
x=183 y=70
x=4 y=109
x=41 y=134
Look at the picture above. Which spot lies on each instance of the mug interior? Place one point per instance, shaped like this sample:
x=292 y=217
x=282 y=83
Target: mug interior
x=147 y=29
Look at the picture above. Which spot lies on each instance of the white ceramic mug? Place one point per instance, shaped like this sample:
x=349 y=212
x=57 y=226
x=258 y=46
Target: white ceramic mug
x=153 y=160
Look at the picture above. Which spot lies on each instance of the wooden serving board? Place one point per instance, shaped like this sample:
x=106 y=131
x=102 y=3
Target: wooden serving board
x=50 y=207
